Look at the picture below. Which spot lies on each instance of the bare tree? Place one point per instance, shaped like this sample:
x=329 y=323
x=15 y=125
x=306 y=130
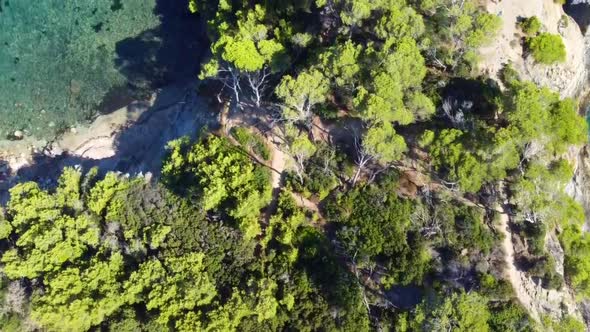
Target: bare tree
x=455 y=111
x=15 y=300
x=257 y=81
x=231 y=79
x=300 y=148
x=363 y=158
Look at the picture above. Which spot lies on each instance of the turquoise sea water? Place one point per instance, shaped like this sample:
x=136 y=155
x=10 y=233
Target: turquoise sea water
x=60 y=59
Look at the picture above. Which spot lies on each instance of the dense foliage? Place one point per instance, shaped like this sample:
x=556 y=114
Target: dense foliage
x=104 y=253
x=387 y=221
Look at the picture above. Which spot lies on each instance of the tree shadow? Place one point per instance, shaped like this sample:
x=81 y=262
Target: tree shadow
x=169 y=53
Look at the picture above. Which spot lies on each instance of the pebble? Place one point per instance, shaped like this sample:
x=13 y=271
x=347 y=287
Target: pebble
x=18 y=134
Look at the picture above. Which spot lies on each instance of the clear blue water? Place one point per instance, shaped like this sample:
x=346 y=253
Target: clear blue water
x=63 y=60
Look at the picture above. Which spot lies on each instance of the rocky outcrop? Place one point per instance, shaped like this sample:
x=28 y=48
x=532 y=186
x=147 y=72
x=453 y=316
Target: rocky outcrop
x=530 y=292
x=551 y=302
x=579 y=187
x=569 y=78
x=130 y=140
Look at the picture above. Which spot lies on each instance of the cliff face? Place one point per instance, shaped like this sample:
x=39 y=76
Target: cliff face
x=579 y=186
x=569 y=78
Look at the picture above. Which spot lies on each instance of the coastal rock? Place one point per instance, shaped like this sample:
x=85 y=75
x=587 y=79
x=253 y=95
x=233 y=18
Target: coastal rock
x=554 y=303
x=556 y=251
x=54 y=151
x=568 y=78
x=579 y=186
x=18 y=135
x=132 y=141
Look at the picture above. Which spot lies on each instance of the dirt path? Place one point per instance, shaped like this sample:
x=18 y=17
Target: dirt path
x=536 y=299
x=277 y=165
x=514 y=276
x=530 y=293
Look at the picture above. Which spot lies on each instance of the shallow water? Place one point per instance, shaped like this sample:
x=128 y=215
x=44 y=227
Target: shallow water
x=61 y=61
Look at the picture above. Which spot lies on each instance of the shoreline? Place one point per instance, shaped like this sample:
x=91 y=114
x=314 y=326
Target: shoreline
x=131 y=139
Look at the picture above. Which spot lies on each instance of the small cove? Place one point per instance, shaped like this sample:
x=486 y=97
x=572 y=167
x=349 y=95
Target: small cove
x=63 y=62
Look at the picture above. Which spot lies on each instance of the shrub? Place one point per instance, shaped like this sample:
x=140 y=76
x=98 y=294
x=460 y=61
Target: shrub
x=531 y=25
x=576 y=245
x=564 y=21
x=251 y=141
x=547 y=48
x=509 y=317
x=567 y=323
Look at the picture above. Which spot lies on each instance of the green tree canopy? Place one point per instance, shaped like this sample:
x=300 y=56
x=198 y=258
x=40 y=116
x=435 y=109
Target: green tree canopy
x=457 y=312
x=224 y=177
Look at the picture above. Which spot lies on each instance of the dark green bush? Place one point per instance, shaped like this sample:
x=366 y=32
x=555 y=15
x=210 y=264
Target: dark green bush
x=544 y=269
x=535 y=237
x=531 y=25
x=510 y=317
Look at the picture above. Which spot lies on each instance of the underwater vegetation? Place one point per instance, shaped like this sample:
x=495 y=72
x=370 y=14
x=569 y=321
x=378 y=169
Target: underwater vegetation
x=60 y=59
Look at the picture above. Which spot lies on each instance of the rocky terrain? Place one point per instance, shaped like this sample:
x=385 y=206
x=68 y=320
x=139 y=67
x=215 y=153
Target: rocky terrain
x=133 y=139
x=130 y=140
x=569 y=78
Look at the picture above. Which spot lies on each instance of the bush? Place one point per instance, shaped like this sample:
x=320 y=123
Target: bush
x=543 y=268
x=509 y=317
x=535 y=237
x=576 y=245
x=531 y=25
x=547 y=48
x=566 y=324
x=251 y=141
x=320 y=173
